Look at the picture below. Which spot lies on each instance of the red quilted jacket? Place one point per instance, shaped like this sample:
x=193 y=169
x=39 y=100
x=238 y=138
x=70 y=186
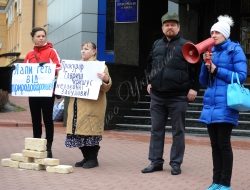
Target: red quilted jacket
x=44 y=53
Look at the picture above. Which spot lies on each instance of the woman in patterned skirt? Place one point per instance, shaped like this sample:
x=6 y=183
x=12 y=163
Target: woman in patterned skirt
x=85 y=122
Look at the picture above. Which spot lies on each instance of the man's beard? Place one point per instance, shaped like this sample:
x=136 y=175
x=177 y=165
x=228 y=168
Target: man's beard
x=170 y=34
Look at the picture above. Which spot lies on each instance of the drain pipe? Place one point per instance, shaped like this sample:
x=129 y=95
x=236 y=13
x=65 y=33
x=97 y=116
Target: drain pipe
x=33 y=13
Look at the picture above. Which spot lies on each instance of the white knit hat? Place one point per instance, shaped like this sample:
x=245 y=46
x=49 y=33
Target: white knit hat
x=223 y=25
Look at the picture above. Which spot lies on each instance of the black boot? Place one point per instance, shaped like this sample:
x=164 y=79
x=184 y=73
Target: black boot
x=92 y=161
x=49 y=152
x=84 y=151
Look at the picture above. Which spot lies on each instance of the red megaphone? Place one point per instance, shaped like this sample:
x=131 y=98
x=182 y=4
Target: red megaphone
x=191 y=52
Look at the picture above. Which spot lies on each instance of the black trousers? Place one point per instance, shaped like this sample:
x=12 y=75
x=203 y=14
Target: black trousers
x=42 y=106
x=220 y=137
x=160 y=109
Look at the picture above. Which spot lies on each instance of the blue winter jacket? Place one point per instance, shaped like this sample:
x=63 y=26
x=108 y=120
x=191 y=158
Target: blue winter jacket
x=228 y=57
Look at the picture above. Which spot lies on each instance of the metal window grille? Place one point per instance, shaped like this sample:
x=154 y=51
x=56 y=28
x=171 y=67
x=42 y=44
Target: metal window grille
x=222 y=6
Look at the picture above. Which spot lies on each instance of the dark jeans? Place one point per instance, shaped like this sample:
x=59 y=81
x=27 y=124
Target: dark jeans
x=160 y=109
x=42 y=106
x=220 y=137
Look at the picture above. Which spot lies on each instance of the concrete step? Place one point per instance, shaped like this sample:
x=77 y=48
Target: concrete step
x=191 y=105
x=193 y=130
x=190 y=113
x=139 y=117
x=146 y=120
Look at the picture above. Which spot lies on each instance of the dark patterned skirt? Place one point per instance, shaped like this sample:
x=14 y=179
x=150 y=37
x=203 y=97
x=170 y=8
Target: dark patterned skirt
x=73 y=140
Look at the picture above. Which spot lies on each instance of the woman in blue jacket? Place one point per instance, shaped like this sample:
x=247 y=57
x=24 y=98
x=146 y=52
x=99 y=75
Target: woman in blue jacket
x=226 y=57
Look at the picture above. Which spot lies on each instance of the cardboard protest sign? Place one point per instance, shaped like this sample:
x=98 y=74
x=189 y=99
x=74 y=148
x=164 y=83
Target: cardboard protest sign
x=79 y=79
x=33 y=80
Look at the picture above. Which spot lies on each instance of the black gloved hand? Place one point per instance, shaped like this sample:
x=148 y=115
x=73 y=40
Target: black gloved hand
x=41 y=63
x=58 y=96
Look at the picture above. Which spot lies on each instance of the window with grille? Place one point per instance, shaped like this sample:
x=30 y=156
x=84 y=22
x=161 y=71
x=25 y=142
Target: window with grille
x=222 y=6
x=245 y=6
x=245 y=37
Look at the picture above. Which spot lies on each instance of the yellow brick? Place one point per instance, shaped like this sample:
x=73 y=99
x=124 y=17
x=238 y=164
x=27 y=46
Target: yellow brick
x=35 y=144
x=31 y=166
x=34 y=154
x=62 y=169
x=9 y=163
x=48 y=161
x=19 y=157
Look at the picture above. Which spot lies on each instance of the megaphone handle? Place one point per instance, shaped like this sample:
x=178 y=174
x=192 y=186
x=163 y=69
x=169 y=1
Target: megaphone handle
x=210 y=51
x=208 y=61
x=209 y=74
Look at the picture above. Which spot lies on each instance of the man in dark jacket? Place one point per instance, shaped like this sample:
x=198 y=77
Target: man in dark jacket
x=172 y=83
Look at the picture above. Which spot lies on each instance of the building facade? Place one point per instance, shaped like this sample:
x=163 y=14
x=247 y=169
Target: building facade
x=17 y=18
x=123 y=44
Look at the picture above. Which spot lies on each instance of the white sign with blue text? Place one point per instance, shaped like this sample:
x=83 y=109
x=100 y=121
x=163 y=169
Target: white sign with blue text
x=30 y=79
x=79 y=79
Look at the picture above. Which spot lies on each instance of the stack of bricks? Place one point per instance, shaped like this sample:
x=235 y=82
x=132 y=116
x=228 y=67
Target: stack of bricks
x=34 y=157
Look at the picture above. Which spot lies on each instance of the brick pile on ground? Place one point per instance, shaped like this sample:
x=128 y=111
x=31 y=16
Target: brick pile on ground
x=34 y=157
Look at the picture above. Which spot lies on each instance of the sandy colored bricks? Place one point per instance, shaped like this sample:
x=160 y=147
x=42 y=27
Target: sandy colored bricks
x=63 y=169
x=10 y=163
x=31 y=166
x=35 y=154
x=47 y=161
x=35 y=144
x=20 y=158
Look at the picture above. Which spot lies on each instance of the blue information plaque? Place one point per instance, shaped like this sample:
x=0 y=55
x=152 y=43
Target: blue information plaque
x=126 y=11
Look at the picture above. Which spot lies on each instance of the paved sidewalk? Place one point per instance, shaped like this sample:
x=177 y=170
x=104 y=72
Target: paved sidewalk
x=22 y=118
x=122 y=156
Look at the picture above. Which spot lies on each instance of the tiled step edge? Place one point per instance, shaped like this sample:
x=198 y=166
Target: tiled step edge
x=25 y=124
x=235 y=132
x=187 y=119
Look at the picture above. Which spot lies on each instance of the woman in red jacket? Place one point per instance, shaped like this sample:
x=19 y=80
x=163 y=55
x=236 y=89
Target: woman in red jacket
x=42 y=52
